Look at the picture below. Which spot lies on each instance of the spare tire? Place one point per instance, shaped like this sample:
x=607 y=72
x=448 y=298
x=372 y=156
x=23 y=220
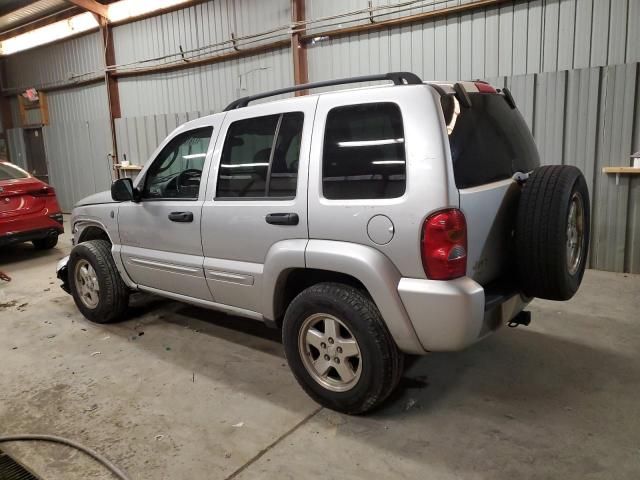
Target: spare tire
x=552 y=232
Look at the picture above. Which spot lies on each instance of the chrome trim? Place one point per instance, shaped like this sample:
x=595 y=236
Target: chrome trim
x=230 y=277
x=165 y=266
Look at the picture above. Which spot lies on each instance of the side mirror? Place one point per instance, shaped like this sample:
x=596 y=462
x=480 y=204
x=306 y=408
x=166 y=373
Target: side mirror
x=122 y=190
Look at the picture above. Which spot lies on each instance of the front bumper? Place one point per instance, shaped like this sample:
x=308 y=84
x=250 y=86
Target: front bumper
x=451 y=315
x=62 y=272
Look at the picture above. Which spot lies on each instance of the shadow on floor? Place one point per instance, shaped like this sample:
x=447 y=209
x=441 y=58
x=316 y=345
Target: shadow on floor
x=516 y=368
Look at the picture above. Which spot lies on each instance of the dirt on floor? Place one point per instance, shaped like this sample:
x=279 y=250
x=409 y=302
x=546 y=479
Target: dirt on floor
x=177 y=392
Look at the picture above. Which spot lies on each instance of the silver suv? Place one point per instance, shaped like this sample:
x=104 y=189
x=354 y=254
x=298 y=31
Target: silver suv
x=366 y=223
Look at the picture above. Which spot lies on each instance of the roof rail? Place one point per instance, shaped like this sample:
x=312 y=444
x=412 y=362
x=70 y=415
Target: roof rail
x=398 y=78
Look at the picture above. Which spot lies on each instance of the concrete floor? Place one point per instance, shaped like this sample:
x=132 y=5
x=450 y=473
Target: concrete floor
x=176 y=392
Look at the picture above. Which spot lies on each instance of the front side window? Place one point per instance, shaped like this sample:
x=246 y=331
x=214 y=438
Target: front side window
x=177 y=170
x=260 y=157
x=364 y=154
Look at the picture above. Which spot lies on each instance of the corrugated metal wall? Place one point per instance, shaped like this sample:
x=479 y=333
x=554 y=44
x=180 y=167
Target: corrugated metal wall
x=587 y=118
x=517 y=38
x=77 y=139
x=77 y=142
x=77 y=58
x=16 y=147
x=202 y=88
x=151 y=106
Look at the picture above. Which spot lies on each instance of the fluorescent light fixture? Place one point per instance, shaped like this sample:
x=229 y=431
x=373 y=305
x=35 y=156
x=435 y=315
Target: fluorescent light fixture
x=194 y=155
x=134 y=8
x=388 y=162
x=49 y=33
x=243 y=165
x=83 y=22
x=371 y=143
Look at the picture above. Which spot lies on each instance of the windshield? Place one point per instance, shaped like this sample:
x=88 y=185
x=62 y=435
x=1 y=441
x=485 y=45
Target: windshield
x=489 y=141
x=11 y=172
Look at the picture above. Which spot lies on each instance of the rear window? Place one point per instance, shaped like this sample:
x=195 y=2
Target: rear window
x=9 y=172
x=489 y=141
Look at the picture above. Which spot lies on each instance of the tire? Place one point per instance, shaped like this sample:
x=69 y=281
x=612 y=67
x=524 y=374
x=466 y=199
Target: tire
x=549 y=266
x=112 y=296
x=45 y=243
x=380 y=362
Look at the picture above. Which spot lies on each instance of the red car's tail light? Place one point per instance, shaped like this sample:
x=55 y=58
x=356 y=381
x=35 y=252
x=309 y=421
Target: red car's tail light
x=44 y=192
x=444 y=245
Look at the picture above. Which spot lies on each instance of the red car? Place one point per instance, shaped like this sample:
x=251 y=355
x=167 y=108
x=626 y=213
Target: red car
x=29 y=210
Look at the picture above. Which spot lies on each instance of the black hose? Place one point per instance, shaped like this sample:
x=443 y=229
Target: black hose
x=69 y=443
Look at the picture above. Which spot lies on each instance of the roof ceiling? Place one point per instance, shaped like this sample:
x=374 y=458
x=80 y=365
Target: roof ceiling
x=17 y=13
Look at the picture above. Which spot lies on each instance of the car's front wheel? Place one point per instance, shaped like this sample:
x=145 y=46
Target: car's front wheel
x=94 y=281
x=339 y=348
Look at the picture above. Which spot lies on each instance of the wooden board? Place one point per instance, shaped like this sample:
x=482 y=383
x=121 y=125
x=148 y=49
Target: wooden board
x=630 y=170
x=128 y=167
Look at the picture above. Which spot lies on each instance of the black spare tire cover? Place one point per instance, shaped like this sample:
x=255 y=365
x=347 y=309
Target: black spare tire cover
x=552 y=232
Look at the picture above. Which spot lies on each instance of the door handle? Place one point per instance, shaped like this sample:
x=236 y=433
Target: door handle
x=181 y=217
x=282 y=218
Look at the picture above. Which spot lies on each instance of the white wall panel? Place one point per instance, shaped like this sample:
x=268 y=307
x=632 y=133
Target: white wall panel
x=198 y=27
x=512 y=39
x=208 y=88
x=77 y=143
x=56 y=63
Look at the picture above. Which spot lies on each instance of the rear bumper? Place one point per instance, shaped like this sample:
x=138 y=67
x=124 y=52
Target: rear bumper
x=38 y=234
x=451 y=315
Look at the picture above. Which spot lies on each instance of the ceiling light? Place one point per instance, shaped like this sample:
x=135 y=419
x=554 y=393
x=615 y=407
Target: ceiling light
x=49 y=33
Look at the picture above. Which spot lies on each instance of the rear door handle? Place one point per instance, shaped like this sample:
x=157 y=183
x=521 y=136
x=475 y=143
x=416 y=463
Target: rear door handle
x=181 y=217
x=282 y=218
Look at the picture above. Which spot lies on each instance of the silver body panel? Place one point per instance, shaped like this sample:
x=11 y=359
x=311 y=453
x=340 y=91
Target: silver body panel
x=230 y=259
x=236 y=239
x=487 y=250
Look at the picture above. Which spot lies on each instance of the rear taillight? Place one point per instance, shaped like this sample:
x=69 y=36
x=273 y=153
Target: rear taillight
x=43 y=192
x=444 y=245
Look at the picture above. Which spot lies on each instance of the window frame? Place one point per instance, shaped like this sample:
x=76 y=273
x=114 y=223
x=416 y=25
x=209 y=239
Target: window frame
x=362 y=201
x=142 y=185
x=276 y=133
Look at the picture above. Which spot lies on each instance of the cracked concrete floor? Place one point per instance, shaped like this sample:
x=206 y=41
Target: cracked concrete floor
x=177 y=392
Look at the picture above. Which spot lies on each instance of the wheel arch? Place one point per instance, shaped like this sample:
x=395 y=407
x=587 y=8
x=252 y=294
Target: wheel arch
x=92 y=231
x=296 y=266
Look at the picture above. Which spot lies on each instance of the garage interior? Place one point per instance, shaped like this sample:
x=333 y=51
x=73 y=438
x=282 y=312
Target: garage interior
x=176 y=391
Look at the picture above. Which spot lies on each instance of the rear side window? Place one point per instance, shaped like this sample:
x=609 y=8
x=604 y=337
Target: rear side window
x=9 y=172
x=260 y=157
x=489 y=141
x=364 y=154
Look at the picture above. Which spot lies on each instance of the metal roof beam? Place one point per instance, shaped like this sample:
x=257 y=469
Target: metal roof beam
x=92 y=6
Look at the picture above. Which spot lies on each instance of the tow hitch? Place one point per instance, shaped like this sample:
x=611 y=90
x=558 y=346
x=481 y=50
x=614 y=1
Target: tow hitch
x=523 y=318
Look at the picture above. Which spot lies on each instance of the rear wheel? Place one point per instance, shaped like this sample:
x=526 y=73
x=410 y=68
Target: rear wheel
x=46 y=243
x=339 y=348
x=94 y=281
x=552 y=232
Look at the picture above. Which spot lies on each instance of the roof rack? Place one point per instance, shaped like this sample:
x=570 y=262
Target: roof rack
x=398 y=78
